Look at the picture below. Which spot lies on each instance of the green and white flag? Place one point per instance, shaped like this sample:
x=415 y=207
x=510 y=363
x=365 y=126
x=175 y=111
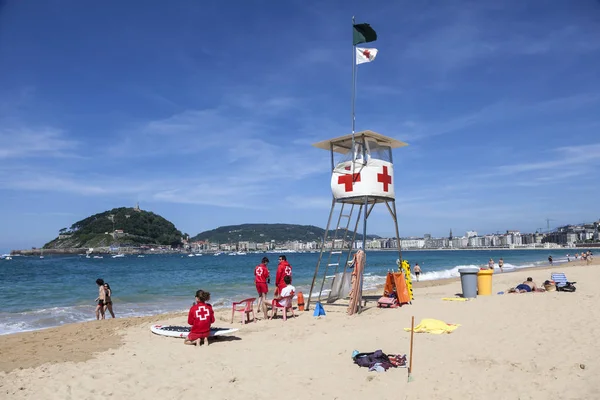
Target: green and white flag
x=363 y=33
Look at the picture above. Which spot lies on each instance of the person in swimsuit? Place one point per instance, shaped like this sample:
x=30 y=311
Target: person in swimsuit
x=100 y=299
x=417 y=271
x=491 y=264
x=527 y=286
x=108 y=300
x=501 y=264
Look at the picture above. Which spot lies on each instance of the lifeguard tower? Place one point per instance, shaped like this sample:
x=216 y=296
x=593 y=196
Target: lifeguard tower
x=362 y=176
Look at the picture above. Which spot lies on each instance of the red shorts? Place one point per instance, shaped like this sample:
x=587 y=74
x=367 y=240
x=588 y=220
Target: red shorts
x=195 y=336
x=276 y=303
x=261 y=287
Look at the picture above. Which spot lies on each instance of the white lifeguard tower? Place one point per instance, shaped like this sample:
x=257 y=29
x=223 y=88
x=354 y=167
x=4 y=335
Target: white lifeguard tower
x=362 y=176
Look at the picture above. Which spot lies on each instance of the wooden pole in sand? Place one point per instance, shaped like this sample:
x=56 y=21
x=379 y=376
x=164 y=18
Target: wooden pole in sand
x=412 y=335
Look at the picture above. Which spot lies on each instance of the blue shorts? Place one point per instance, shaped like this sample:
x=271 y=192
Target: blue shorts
x=523 y=286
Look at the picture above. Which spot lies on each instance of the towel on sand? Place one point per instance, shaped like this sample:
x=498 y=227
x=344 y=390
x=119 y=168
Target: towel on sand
x=434 y=326
x=455 y=299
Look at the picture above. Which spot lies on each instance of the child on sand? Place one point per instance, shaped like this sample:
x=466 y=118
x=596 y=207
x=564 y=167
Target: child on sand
x=200 y=317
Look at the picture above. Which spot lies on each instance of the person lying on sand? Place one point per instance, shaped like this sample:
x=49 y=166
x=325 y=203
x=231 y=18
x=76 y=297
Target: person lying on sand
x=526 y=287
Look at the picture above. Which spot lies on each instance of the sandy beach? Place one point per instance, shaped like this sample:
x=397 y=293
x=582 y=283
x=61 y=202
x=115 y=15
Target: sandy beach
x=512 y=346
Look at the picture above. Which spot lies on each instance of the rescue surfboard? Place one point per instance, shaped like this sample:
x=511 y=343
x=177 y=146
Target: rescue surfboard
x=183 y=331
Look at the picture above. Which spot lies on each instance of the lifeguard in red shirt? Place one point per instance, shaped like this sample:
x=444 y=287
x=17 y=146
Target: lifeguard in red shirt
x=283 y=269
x=201 y=316
x=261 y=279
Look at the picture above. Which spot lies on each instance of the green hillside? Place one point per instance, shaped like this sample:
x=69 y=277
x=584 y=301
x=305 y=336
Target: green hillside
x=260 y=233
x=138 y=226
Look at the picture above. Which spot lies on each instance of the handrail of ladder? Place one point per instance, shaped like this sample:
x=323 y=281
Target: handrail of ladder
x=333 y=250
x=335 y=237
x=321 y=253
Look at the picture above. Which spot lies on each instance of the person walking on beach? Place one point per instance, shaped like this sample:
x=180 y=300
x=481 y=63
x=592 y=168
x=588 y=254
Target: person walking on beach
x=550 y=259
x=261 y=279
x=108 y=300
x=283 y=269
x=100 y=299
x=501 y=264
x=417 y=271
x=491 y=264
x=200 y=317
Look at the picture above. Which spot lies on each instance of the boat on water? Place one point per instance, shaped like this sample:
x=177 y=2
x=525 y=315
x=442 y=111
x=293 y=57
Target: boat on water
x=191 y=255
x=218 y=254
x=198 y=254
x=98 y=256
x=141 y=256
x=118 y=256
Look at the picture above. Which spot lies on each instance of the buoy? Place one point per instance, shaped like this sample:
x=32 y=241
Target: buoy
x=300 y=301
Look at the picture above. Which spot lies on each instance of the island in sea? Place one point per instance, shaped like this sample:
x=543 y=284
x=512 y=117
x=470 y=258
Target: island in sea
x=131 y=230
x=124 y=229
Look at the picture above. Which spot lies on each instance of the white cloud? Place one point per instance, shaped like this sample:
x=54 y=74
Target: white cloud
x=42 y=142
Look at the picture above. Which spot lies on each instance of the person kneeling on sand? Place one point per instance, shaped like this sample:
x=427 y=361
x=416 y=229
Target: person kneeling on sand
x=527 y=286
x=201 y=316
x=281 y=300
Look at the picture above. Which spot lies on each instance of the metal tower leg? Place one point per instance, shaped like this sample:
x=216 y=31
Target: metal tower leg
x=312 y=285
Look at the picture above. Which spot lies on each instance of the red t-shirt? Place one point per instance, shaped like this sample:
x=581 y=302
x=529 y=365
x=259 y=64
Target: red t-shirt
x=283 y=269
x=201 y=316
x=261 y=273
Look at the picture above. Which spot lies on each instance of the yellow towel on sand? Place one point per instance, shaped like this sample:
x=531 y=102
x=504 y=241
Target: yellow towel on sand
x=434 y=326
x=455 y=299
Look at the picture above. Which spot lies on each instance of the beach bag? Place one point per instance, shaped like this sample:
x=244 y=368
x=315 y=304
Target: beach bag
x=569 y=287
x=387 y=302
x=368 y=360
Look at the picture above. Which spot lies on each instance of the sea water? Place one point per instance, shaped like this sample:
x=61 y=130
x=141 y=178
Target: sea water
x=39 y=293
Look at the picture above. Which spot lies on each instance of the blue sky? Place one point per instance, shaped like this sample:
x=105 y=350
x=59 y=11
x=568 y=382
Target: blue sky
x=204 y=112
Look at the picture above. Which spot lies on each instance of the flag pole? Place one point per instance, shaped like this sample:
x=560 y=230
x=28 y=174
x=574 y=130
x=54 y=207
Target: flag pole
x=353 y=93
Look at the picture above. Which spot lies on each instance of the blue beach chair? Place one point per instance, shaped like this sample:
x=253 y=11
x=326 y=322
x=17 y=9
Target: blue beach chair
x=562 y=284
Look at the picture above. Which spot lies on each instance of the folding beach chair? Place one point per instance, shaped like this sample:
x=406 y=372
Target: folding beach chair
x=562 y=284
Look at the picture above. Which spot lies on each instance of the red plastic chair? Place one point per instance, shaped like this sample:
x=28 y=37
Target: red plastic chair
x=275 y=305
x=246 y=307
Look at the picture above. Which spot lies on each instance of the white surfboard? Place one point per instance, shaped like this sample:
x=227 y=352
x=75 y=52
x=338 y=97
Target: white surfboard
x=183 y=331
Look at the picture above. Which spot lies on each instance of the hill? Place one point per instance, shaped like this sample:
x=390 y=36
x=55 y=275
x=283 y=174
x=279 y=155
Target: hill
x=261 y=233
x=132 y=226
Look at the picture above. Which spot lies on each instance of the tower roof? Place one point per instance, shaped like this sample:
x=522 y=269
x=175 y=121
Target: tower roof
x=344 y=143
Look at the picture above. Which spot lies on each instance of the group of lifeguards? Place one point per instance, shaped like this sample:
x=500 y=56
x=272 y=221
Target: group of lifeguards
x=283 y=283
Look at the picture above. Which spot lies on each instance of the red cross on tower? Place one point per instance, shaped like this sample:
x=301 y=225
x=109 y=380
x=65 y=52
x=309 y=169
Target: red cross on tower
x=347 y=180
x=384 y=178
x=367 y=53
x=202 y=312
